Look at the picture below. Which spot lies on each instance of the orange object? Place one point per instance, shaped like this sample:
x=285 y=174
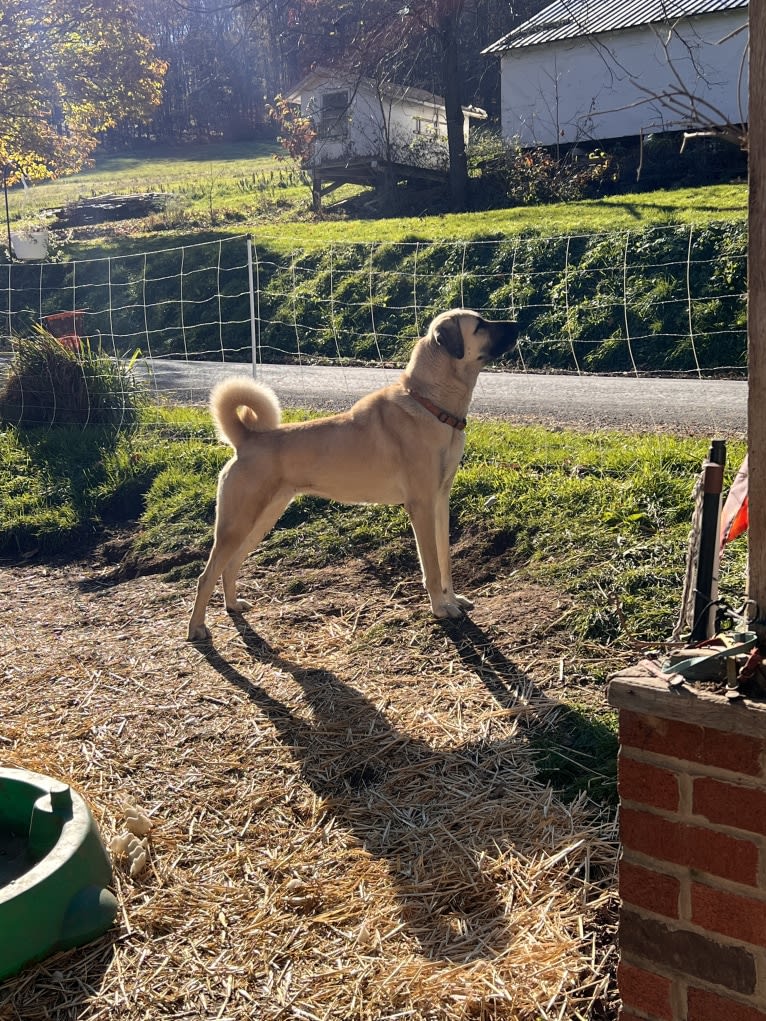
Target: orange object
x=734 y=516
x=65 y=327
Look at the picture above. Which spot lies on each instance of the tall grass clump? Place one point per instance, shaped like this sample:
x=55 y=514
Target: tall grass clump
x=48 y=383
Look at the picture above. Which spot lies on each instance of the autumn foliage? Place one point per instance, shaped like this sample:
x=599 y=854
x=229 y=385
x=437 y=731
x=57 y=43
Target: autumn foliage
x=69 y=70
x=297 y=133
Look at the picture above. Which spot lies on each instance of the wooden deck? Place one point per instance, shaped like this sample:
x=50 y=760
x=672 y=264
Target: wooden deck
x=381 y=174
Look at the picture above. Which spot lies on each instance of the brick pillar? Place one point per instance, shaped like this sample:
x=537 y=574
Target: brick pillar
x=692 y=783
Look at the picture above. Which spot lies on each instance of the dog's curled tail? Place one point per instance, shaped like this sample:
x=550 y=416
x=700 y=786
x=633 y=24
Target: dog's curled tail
x=240 y=407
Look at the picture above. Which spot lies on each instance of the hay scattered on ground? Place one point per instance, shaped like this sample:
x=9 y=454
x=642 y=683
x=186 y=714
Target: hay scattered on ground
x=346 y=818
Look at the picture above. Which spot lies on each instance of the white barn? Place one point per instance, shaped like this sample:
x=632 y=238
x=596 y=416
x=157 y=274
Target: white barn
x=601 y=69
x=367 y=130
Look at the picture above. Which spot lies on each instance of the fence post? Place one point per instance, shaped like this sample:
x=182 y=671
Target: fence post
x=706 y=587
x=251 y=287
x=756 y=328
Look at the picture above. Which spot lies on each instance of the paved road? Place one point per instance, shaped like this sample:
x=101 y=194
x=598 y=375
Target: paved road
x=687 y=406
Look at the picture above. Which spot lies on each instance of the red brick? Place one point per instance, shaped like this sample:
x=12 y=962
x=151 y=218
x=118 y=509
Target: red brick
x=650 y=890
x=742 y=918
x=688 y=741
x=698 y=955
x=730 y=804
x=645 y=991
x=650 y=785
x=692 y=846
x=706 y=1006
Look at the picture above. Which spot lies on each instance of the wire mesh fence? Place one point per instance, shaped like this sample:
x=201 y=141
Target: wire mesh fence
x=667 y=301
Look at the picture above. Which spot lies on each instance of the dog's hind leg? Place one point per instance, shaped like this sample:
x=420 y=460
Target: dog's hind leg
x=263 y=524
x=225 y=545
x=233 y=541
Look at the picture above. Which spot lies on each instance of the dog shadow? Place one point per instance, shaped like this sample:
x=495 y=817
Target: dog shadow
x=408 y=803
x=503 y=679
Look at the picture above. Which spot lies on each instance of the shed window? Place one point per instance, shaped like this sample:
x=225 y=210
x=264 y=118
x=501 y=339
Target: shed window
x=333 y=115
x=427 y=125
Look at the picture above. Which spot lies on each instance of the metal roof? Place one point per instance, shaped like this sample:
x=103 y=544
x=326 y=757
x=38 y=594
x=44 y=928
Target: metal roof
x=567 y=19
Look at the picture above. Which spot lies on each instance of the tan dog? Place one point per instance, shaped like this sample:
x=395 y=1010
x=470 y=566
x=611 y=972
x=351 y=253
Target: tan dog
x=399 y=445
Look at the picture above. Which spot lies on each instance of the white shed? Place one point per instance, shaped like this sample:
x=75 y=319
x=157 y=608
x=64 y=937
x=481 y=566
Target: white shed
x=599 y=69
x=358 y=117
x=372 y=132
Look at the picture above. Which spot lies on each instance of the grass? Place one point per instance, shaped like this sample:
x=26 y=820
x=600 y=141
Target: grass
x=603 y=516
x=579 y=755
x=213 y=185
x=633 y=211
x=235 y=188
x=683 y=205
x=48 y=383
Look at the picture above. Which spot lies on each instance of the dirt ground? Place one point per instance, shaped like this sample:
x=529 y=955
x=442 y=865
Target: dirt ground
x=347 y=820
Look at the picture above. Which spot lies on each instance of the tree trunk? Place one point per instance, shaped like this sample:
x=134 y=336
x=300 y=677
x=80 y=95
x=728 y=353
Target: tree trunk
x=458 y=164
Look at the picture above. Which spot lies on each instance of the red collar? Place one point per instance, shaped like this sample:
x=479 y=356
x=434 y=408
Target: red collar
x=440 y=413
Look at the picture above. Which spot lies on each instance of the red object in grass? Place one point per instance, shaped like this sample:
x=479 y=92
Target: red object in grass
x=735 y=514
x=65 y=327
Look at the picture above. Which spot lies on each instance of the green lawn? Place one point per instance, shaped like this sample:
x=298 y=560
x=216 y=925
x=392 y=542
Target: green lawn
x=603 y=516
x=254 y=187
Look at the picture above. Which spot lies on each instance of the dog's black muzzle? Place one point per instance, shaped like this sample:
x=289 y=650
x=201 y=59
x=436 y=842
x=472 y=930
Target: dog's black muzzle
x=503 y=336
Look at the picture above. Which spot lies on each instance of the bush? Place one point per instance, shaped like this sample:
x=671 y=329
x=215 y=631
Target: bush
x=50 y=384
x=525 y=177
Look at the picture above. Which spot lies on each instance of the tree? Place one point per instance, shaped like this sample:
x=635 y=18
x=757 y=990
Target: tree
x=223 y=63
x=431 y=44
x=69 y=70
x=455 y=31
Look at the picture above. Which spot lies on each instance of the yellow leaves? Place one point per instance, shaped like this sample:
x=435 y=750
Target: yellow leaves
x=67 y=74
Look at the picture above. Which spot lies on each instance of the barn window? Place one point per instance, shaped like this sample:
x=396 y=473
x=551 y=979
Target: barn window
x=333 y=120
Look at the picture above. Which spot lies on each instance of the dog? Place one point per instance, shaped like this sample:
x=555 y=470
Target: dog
x=398 y=445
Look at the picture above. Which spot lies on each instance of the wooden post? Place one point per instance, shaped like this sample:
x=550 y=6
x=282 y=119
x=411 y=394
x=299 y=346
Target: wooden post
x=756 y=330
x=707 y=561
x=316 y=191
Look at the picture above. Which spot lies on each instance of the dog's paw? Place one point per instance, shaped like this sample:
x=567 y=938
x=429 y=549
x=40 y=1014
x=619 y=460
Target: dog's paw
x=198 y=633
x=239 y=606
x=447 y=610
x=451 y=606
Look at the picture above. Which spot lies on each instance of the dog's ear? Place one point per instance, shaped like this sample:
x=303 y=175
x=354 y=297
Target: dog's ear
x=447 y=332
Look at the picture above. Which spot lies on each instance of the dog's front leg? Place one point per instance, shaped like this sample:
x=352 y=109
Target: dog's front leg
x=443 y=552
x=424 y=524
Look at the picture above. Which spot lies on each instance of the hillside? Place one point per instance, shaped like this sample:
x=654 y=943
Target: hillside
x=644 y=282
x=254 y=187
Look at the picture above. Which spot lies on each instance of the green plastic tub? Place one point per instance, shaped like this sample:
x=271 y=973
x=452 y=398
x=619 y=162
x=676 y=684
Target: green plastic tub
x=54 y=870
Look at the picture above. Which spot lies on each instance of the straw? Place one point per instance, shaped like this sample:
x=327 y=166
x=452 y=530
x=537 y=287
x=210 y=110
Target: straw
x=345 y=816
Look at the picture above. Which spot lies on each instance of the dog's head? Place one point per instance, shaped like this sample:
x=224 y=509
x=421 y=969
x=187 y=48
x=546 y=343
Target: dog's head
x=467 y=335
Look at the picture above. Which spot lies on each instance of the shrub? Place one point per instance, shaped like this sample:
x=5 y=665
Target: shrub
x=50 y=384
x=525 y=177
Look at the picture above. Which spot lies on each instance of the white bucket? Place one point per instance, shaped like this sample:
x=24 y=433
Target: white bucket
x=32 y=244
